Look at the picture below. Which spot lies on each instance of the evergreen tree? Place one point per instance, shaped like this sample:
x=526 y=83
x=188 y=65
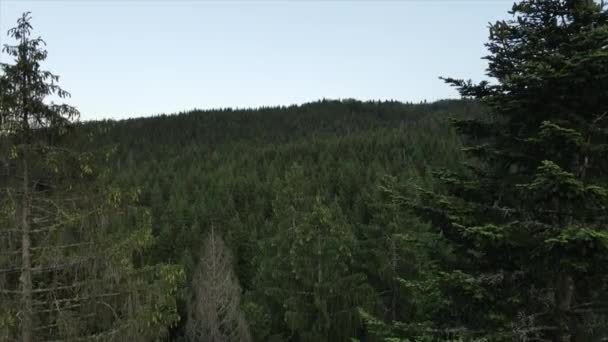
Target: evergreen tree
x=67 y=239
x=310 y=269
x=528 y=221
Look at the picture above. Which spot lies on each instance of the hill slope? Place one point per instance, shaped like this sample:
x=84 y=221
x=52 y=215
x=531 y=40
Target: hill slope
x=265 y=178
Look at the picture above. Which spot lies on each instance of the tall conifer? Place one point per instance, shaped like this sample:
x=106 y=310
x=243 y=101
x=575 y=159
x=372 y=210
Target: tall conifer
x=528 y=223
x=67 y=240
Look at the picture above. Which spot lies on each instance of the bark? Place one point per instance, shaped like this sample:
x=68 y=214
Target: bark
x=563 y=297
x=393 y=280
x=26 y=273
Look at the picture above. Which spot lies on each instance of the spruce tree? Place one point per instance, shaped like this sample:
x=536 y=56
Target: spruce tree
x=307 y=267
x=528 y=222
x=68 y=239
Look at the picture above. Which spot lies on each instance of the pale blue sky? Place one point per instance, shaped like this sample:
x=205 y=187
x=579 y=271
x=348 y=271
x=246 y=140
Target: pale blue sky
x=133 y=58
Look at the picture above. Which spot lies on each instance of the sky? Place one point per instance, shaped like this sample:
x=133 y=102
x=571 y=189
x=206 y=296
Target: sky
x=134 y=58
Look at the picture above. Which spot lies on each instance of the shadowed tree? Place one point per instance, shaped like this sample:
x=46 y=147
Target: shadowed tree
x=527 y=223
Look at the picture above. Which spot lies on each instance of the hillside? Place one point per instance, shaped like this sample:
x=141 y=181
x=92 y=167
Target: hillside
x=225 y=169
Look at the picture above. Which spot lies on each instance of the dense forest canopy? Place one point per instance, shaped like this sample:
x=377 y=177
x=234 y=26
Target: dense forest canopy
x=478 y=219
x=237 y=172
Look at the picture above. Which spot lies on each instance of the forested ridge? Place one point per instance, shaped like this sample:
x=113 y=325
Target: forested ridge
x=227 y=169
x=477 y=219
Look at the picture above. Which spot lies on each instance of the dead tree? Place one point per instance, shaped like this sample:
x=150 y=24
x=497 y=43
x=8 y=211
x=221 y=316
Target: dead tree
x=214 y=312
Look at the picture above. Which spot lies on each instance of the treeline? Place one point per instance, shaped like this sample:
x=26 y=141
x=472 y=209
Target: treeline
x=295 y=194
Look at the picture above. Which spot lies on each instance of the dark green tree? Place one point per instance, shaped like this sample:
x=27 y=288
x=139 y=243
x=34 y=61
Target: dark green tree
x=528 y=222
x=308 y=270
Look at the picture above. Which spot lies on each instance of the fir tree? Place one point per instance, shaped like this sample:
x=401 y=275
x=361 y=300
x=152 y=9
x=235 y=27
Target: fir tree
x=309 y=271
x=528 y=221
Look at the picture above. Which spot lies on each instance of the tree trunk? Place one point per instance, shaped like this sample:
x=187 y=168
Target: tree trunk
x=564 y=291
x=321 y=301
x=394 y=279
x=26 y=273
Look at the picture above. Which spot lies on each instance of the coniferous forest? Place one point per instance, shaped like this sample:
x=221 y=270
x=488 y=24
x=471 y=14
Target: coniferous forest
x=478 y=219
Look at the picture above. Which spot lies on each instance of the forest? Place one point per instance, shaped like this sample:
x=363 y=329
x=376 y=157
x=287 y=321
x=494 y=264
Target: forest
x=483 y=218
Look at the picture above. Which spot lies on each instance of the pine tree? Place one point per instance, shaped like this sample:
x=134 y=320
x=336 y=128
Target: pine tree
x=214 y=310
x=307 y=270
x=528 y=221
x=67 y=239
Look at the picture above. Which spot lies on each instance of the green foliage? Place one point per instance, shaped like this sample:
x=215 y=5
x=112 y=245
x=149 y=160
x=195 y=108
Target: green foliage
x=71 y=243
x=319 y=165
x=509 y=245
x=531 y=208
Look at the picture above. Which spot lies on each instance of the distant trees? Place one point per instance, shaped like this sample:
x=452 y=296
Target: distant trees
x=370 y=253
x=69 y=241
x=527 y=222
x=192 y=178
x=214 y=306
